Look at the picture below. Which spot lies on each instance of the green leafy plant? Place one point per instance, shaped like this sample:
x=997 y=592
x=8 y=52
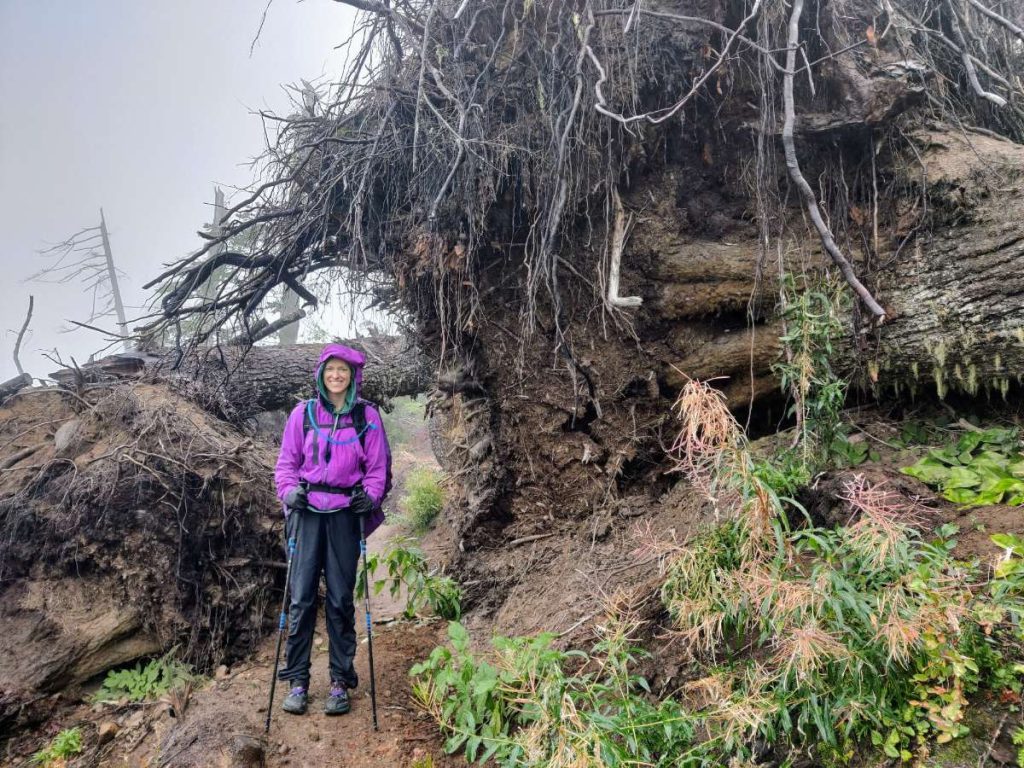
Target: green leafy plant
x=1018 y=741
x=64 y=746
x=785 y=473
x=531 y=704
x=915 y=433
x=812 y=325
x=845 y=453
x=143 y=683
x=423 y=499
x=407 y=569
x=983 y=467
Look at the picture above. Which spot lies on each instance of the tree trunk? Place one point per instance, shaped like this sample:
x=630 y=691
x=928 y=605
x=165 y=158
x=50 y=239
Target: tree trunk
x=269 y=378
x=954 y=294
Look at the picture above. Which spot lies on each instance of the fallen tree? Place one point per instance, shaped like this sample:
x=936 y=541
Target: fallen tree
x=240 y=381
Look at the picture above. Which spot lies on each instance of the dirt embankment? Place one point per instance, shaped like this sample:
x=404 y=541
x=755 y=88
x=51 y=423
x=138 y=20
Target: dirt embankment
x=133 y=522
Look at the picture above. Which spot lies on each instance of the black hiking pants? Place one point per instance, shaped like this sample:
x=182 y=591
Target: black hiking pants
x=328 y=543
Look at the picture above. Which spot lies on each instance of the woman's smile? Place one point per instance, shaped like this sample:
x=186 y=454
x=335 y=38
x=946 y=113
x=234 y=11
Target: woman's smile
x=337 y=377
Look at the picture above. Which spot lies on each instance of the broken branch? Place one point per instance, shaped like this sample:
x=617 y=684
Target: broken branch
x=793 y=165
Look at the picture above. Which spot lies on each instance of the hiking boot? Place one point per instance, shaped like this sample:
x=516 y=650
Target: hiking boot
x=337 y=700
x=296 y=700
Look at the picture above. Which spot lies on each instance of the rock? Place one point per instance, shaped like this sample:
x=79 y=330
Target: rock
x=222 y=672
x=246 y=751
x=282 y=750
x=107 y=730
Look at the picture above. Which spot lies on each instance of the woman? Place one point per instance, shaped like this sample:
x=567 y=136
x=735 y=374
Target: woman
x=333 y=467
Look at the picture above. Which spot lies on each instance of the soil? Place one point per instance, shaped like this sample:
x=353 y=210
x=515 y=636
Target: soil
x=229 y=713
x=133 y=522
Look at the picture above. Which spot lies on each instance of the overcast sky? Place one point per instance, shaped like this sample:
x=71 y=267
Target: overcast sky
x=139 y=107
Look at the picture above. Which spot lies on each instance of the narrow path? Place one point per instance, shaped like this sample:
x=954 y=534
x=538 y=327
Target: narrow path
x=225 y=719
x=223 y=724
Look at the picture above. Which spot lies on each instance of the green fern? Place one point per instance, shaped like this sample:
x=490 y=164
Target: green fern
x=143 y=683
x=65 y=745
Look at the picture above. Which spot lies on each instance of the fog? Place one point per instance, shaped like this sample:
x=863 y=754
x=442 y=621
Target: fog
x=139 y=108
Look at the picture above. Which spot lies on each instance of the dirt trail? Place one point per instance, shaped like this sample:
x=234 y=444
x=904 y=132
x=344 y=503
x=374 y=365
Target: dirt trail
x=228 y=715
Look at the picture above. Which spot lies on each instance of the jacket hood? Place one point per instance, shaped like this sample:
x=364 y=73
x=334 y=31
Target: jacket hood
x=355 y=359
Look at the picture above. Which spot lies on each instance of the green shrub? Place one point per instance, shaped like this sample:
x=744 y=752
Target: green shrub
x=407 y=568
x=525 y=706
x=1018 y=741
x=865 y=632
x=64 y=746
x=143 y=683
x=985 y=467
x=423 y=499
x=835 y=637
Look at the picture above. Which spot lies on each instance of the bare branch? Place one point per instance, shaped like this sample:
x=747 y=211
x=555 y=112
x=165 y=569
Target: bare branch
x=700 y=20
x=21 y=334
x=661 y=115
x=793 y=165
x=383 y=10
x=620 y=230
x=965 y=57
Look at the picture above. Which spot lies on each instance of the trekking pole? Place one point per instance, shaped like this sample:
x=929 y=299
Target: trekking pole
x=369 y=628
x=281 y=624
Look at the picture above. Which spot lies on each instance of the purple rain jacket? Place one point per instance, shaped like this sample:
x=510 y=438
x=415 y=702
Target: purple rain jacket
x=348 y=463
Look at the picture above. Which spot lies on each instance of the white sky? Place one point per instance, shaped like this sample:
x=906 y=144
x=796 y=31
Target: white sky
x=139 y=107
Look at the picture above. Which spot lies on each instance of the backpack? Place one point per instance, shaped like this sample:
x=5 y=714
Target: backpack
x=359 y=423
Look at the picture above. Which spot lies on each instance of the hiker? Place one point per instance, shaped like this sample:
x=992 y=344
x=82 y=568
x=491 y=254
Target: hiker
x=334 y=466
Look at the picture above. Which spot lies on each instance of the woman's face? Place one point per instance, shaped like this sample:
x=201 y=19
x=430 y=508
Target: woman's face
x=337 y=376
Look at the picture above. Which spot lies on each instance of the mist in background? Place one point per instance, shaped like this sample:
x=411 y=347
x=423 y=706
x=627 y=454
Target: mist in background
x=140 y=108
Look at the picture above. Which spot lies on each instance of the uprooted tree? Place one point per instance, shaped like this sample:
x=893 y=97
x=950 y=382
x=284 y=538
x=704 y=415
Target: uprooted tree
x=582 y=203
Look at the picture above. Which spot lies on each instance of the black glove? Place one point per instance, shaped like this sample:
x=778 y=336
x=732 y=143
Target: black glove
x=360 y=503
x=296 y=499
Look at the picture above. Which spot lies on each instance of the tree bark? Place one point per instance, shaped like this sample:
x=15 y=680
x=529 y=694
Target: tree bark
x=954 y=293
x=245 y=382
